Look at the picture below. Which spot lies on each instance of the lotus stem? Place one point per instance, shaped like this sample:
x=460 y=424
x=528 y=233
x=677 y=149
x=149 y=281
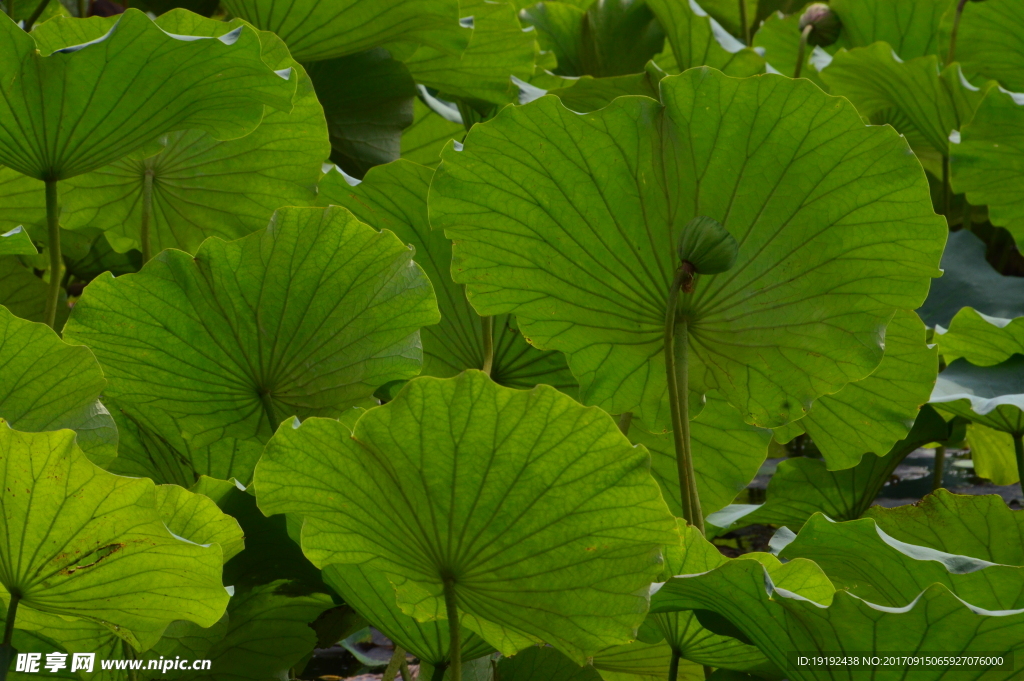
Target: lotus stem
x=403 y=669
x=487 y=328
x=40 y=8
x=624 y=421
x=951 y=57
x=940 y=465
x=677 y=372
x=967 y=221
x=10 y=9
x=83 y=9
x=744 y=24
x=673 y=666
x=708 y=671
x=438 y=674
x=455 y=644
x=1018 y=449
x=129 y=654
x=947 y=192
x=147 y=215
x=803 y=49
x=394 y=665
x=7 y=651
x=268 y=408
x=56 y=260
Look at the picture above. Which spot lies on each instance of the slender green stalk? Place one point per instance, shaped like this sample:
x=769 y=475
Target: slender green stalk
x=455 y=644
x=147 y=215
x=940 y=466
x=83 y=9
x=951 y=57
x=677 y=372
x=624 y=421
x=6 y=650
x=967 y=222
x=438 y=674
x=1018 y=449
x=403 y=669
x=394 y=665
x=268 y=408
x=10 y=8
x=745 y=25
x=708 y=671
x=487 y=329
x=800 y=58
x=36 y=14
x=947 y=192
x=673 y=666
x=56 y=260
x=129 y=654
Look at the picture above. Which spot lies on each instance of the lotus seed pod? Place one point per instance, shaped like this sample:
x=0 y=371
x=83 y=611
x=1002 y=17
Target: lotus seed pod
x=826 y=24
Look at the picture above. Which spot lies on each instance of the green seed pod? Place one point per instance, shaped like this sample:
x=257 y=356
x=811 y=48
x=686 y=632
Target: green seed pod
x=707 y=246
x=826 y=24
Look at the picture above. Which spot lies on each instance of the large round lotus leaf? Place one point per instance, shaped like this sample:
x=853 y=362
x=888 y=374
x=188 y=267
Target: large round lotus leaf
x=24 y=201
x=498 y=49
x=861 y=558
x=423 y=141
x=911 y=26
x=992 y=452
x=16 y=242
x=46 y=384
x=538 y=511
x=988 y=162
x=543 y=664
x=992 y=396
x=989 y=42
x=85 y=543
x=371 y=594
x=307 y=317
x=394 y=197
x=195 y=517
x=698 y=40
x=919 y=98
x=638 y=661
x=802 y=486
x=981 y=339
x=779 y=38
x=981 y=526
x=203 y=187
x=571 y=222
x=779 y=622
x=316 y=30
x=873 y=414
x=727 y=453
x=24 y=294
x=218 y=85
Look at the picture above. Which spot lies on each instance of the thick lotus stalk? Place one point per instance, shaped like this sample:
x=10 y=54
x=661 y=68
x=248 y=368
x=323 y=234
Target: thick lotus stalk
x=1018 y=451
x=705 y=247
x=940 y=467
x=824 y=23
x=6 y=650
x=53 y=248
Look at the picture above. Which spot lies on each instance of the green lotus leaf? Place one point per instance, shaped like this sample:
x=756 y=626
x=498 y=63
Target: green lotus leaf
x=918 y=97
x=698 y=40
x=779 y=38
x=981 y=339
x=195 y=517
x=314 y=30
x=802 y=486
x=50 y=385
x=910 y=27
x=603 y=40
x=988 y=41
x=993 y=455
x=498 y=49
x=424 y=139
x=987 y=162
x=588 y=271
x=727 y=453
x=969 y=281
x=200 y=187
x=24 y=294
x=24 y=202
x=203 y=7
x=373 y=596
x=588 y=94
x=368 y=100
x=218 y=85
x=571 y=571
x=727 y=13
x=875 y=413
x=782 y=624
x=543 y=664
x=992 y=396
x=17 y=242
x=981 y=526
x=307 y=317
x=861 y=558
x=185 y=639
x=110 y=558
x=394 y=197
x=267 y=633
x=640 y=661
